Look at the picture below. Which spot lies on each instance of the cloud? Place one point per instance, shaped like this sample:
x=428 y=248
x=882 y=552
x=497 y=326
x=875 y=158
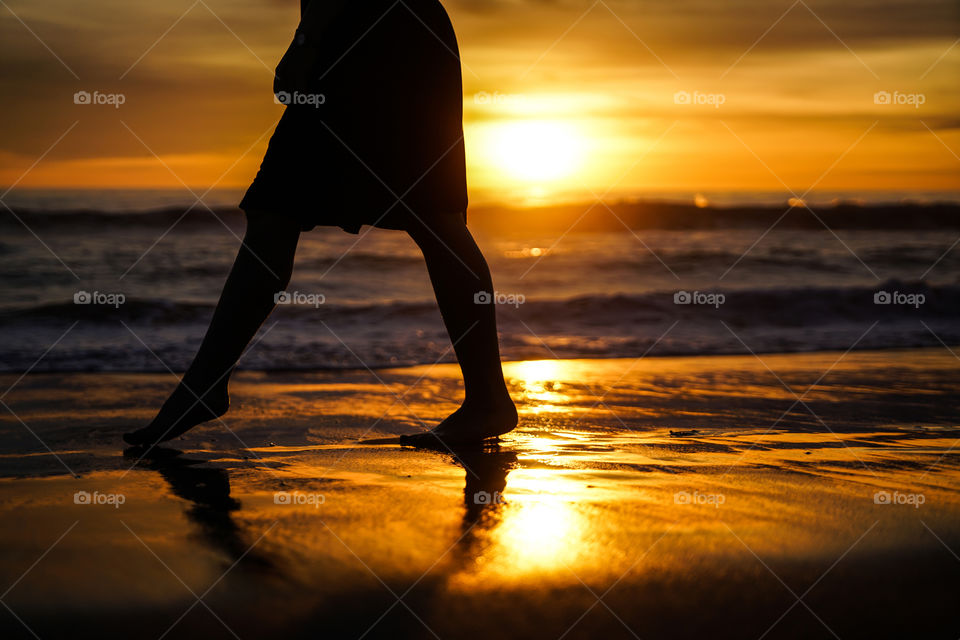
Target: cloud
x=204 y=87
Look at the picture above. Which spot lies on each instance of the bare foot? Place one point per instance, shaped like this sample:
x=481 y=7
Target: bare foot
x=472 y=422
x=181 y=412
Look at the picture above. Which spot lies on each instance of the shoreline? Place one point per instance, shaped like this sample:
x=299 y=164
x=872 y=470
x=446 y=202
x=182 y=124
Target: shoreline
x=400 y=367
x=688 y=493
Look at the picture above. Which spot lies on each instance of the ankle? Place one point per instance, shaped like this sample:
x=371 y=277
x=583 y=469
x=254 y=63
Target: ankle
x=490 y=397
x=203 y=382
x=204 y=391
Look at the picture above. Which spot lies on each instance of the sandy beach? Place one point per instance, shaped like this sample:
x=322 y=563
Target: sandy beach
x=726 y=496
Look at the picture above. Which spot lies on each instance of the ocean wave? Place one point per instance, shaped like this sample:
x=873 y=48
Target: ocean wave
x=198 y=215
x=784 y=306
x=895 y=314
x=650 y=214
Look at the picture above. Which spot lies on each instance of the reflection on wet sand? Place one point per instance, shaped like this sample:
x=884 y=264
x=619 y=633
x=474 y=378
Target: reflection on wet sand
x=541 y=383
x=506 y=533
x=517 y=533
x=665 y=480
x=210 y=506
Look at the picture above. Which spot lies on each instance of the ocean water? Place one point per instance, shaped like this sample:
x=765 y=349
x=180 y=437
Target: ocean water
x=366 y=301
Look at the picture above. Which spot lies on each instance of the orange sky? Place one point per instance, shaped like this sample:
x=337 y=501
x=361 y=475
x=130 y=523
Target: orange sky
x=560 y=97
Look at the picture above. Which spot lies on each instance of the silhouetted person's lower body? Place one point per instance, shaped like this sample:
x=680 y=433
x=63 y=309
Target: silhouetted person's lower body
x=263 y=267
x=379 y=142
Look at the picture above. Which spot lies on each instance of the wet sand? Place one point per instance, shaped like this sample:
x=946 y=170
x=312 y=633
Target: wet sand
x=719 y=497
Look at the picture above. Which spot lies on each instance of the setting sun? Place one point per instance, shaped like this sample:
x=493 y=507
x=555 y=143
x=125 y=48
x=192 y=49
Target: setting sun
x=535 y=150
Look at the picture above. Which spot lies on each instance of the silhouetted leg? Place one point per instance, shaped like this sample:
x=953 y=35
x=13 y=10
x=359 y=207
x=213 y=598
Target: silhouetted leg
x=458 y=271
x=262 y=268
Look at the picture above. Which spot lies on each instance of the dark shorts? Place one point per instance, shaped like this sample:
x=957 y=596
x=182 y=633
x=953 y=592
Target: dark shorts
x=384 y=144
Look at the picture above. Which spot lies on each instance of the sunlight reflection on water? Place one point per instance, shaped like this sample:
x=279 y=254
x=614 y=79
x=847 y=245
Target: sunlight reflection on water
x=542 y=384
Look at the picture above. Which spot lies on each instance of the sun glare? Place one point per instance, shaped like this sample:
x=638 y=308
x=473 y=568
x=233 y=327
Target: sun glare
x=541 y=382
x=536 y=150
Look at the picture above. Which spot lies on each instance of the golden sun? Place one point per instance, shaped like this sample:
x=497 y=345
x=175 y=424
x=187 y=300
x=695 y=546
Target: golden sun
x=535 y=150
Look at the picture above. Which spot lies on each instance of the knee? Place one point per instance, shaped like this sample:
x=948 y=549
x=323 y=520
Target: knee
x=270 y=248
x=261 y=267
x=438 y=231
